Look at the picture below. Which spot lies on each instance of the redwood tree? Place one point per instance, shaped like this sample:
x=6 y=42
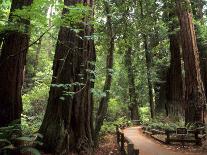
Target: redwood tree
x=174 y=78
x=12 y=62
x=194 y=90
x=197 y=9
x=67 y=124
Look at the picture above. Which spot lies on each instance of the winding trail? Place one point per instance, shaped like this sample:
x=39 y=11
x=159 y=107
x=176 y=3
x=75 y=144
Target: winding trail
x=148 y=146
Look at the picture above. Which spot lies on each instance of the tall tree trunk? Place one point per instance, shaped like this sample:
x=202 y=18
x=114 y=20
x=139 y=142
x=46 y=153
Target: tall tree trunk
x=12 y=62
x=103 y=105
x=133 y=107
x=194 y=90
x=197 y=7
x=68 y=121
x=174 y=77
x=149 y=65
x=174 y=80
x=149 y=76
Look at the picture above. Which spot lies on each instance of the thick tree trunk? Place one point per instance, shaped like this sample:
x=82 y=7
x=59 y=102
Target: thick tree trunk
x=133 y=106
x=174 y=80
x=68 y=123
x=12 y=62
x=103 y=105
x=194 y=90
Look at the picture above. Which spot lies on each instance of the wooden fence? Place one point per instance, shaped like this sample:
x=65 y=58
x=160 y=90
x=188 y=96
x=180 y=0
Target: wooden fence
x=126 y=146
x=193 y=136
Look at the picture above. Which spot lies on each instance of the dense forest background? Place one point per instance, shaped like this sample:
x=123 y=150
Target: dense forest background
x=71 y=70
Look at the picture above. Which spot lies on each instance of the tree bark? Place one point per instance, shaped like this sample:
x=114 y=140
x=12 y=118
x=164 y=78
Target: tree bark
x=12 y=62
x=194 y=90
x=175 y=88
x=174 y=80
x=68 y=121
x=103 y=105
x=133 y=107
x=197 y=8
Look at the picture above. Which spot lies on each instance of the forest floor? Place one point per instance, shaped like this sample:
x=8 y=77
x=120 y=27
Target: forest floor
x=107 y=146
x=149 y=146
x=145 y=144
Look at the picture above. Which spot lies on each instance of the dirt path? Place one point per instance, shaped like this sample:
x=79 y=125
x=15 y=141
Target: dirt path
x=148 y=146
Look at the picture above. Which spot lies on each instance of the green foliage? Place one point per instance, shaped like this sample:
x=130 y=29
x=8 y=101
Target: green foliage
x=164 y=124
x=9 y=138
x=4 y=13
x=11 y=135
x=129 y=25
x=144 y=114
x=110 y=127
x=10 y=132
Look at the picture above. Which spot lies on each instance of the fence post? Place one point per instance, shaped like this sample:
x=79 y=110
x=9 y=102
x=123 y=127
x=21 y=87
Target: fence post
x=122 y=143
x=167 y=140
x=117 y=134
x=198 y=140
x=130 y=149
x=136 y=152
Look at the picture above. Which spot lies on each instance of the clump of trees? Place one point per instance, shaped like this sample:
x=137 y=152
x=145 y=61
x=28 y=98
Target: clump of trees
x=111 y=58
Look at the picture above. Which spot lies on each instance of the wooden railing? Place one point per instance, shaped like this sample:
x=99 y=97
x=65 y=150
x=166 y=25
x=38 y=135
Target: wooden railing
x=126 y=146
x=197 y=136
x=193 y=136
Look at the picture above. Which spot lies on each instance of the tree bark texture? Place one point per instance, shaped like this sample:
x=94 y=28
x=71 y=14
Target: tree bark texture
x=12 y=62
x=175 y=89
x=194 y=90
x=103 y=105
x=68 y=121
x=197 y=8
x=175 y=80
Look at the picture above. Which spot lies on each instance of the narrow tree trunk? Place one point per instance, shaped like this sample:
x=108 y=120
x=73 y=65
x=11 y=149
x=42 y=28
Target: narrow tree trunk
x=149 y=77
x=12 y=62
x=38 y=49
x=103 y=105
x=149 y=65
x=133 y=107
x=194 y=90
x=68 y=121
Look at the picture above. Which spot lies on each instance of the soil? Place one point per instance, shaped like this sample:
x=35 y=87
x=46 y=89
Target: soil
x=108 y=146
